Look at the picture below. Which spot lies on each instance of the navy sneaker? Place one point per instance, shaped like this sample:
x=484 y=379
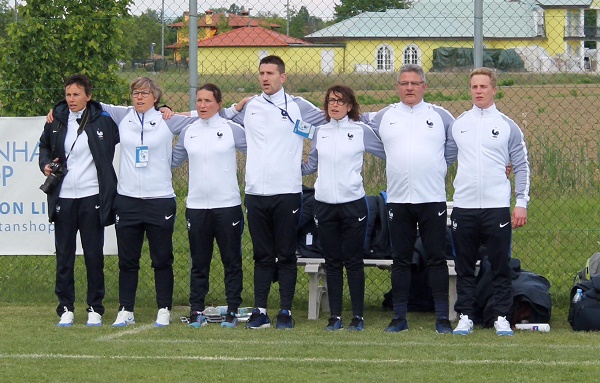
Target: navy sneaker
x=357 y=324
x=334 y=324
x=284 y=320
x=258 y=320
x=397 y=325
x=443 y=326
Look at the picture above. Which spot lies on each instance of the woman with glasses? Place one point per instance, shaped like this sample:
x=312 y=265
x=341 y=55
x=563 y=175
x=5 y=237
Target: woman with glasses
x=145 y=201
x=341 y=210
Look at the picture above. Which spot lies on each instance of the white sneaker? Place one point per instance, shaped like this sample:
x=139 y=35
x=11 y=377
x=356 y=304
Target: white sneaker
x=464 y=326
x=163 y=318
x=94 y=319
x=502 y=327
x=124 y=318
x=66 y=319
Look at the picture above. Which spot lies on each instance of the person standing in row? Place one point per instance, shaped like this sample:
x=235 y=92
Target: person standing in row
x=274 y=186
x=414 y=134
x=341 y=210
x=486 y=142
x=145 y=202
x=81 y=140
x=213 y=203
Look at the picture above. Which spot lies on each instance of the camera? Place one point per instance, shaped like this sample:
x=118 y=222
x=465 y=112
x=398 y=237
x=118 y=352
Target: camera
x=57 y=174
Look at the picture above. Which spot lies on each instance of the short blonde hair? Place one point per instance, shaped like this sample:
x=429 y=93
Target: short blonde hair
x=146 y=82
x=491 y=73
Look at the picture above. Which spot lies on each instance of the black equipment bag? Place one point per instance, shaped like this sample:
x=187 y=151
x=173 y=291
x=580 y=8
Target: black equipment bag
x=585 y=314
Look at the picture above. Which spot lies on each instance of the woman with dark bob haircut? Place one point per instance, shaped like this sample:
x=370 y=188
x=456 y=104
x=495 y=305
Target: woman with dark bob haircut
x=341 y=210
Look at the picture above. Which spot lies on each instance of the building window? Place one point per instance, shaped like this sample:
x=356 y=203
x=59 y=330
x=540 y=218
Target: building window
x=384 y=59
x=411 y=55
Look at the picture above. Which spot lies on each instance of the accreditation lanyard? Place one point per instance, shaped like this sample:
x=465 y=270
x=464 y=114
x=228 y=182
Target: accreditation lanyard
x=284 y=112
x=141 y=151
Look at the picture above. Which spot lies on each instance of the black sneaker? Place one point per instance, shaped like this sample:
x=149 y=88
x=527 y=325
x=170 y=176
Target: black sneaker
x=230 y=321
x=334 y=324
x=443 y=326
x=357 y=324
x=397 y=325
x=284 y=320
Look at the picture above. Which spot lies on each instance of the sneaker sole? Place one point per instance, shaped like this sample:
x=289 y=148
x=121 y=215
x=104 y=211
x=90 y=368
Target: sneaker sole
x=394 y=330
x=267 y=325
x=123 y=324
x=461 y=332
x=64 y=324
x=93 y=324
x=505 y=333
x=156 y=324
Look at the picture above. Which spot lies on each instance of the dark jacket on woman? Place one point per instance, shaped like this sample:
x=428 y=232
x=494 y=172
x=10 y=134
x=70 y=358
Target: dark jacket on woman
x=103 y=135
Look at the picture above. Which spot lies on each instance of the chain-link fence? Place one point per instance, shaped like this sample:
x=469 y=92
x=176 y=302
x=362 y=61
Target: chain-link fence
x=545 y=54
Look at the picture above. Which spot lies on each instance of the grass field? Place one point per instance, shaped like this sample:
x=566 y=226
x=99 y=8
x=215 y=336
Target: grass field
x=33 y=349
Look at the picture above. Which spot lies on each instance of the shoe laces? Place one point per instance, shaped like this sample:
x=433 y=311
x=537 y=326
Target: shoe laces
x=396 y=321
x=332 y=321
x=284 y=318
x=356 y=320
x=254 y=316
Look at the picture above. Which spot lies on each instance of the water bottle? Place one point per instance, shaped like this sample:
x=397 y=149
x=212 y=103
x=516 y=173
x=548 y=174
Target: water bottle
x=541 y=327
x=577 y=296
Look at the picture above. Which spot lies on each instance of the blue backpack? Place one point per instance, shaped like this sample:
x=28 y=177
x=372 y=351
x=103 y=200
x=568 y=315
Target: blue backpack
x=584 y=315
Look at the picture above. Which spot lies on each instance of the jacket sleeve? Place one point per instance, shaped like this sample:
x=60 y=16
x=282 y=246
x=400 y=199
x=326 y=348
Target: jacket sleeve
x=312 y=163
x=517 y=151
x=310 y=113
x=179 y=152
x=45 y=146
x=239 y=136
x=372 y=143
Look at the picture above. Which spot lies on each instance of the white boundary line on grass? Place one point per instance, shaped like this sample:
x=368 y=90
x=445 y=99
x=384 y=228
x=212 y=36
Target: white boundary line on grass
x=343 y=343
x=526 y=362
x=120 y=334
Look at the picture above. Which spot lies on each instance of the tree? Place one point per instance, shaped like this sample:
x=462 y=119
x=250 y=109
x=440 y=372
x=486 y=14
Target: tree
x=140 y=32
x=54 y=39
x=350 y=8
x=7 y=16
x=302 y=23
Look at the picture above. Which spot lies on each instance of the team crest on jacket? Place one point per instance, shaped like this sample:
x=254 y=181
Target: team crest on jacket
x=454 y=224
x=100 y=134
x=495 y=133
x=220 y=134
x=316 y=221
x=189 y=225
x=390 y=215
x=429 y=124
x=116 y=219
x=350 y=136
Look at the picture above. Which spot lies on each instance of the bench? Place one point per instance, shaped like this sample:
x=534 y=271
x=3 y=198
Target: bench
x=317 y=284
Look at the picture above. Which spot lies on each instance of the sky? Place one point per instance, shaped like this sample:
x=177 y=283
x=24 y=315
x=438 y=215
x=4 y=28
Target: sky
x=320 y=8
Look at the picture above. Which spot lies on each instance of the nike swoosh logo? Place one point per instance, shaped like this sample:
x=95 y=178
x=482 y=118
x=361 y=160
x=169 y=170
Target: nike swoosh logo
x=504 y=224
x=235 y=223
x=441 y=213
x=54 y=131
x=394 y=123
x=167 y=217
x=193 y=136
x=295 y=211
x=97 y=207
x=464 y=131
x=361 y=219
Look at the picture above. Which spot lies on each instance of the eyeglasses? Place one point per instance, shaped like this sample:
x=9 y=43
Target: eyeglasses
x=404 y=84
x=333 y=101
x=142 y=94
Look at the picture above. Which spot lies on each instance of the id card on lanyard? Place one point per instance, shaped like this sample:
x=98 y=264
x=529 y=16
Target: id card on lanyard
x=141 y=151
x=301 y=128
